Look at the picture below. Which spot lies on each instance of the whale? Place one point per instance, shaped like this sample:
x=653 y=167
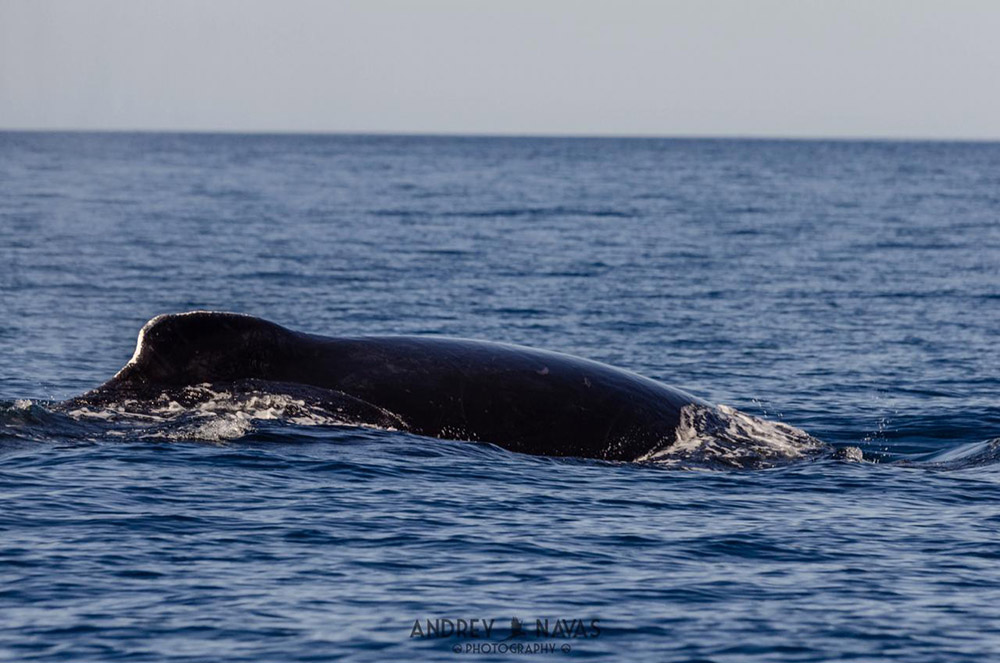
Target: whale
x=521 y=399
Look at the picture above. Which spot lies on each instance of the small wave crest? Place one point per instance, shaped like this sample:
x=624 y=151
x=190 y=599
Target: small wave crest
x=722 y=437
x=21 y=413
x=966 y=456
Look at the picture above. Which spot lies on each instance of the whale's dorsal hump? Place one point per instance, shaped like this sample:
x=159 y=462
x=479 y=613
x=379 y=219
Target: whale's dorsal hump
x=181 y=349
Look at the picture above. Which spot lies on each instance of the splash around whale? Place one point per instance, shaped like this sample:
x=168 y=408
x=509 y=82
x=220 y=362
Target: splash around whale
x=518 y=398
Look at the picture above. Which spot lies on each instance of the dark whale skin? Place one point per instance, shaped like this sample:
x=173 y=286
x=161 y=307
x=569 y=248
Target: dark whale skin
x=521 y=399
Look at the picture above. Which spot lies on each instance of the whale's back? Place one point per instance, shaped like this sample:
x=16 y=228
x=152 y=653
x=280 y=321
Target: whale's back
x=520 y=398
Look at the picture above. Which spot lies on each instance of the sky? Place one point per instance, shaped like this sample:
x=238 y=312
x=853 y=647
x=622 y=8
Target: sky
x=781 y=68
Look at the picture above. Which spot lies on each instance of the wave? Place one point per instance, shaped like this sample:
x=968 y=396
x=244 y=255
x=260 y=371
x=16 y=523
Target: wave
x=966 y=456
x=506 y=212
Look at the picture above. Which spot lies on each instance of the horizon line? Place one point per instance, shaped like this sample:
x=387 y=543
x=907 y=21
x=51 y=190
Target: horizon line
x=845 y=138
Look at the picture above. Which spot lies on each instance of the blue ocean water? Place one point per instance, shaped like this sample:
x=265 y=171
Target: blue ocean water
x=846 y=288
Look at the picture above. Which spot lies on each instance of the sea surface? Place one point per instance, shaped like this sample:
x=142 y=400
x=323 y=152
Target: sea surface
x=851 y=289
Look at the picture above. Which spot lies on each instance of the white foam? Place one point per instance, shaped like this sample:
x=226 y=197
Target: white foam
x=200 y=412
x=216 y=429
x=723 y=436
x=258 y=406
x=87 y=413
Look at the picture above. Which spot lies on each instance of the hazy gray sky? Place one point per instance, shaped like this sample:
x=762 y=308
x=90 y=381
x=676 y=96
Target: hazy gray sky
x=884 y=68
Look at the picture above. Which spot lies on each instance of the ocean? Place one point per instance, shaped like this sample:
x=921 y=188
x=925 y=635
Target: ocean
x=847 y=288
